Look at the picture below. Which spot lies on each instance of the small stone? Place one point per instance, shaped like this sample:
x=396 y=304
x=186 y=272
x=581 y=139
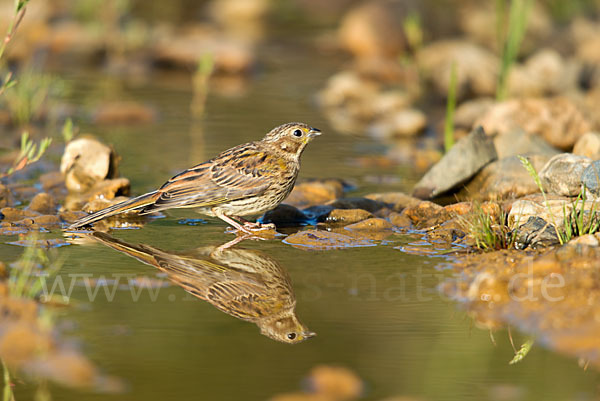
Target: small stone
x=463 y=161
x=397 y=201
x=47 y=220
x=347 y=216
x=470 y=111
x=590 y=178
x=322 y=240
x=124 y=113
x=400 y=220
x=369 y=205
x=562 y=174
x=43 y=203
x=552 y=211
x=315 y=192
x=52 y=180
x=373 y=30
x=425 y=214
x=97 y=204
x=588 y=145
x=181 y=49
x=476 y=67
x=71 y=217
x=335 y=383
x=347 y=87
x=403 y=123
x=372 y=224
x=285 y=216
x=6 y=198
x=103 y=190
x=536 y=233
x=586 y=240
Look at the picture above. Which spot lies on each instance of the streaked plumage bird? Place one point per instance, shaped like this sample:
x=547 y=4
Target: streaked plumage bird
x=246 y=180
x=246 y=284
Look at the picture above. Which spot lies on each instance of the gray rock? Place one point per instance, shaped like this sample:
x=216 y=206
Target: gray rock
x=562 y=174
x=591 y=178
x=536 y=233
x=588 y=145
x=463 y=161
x=519 y=142
x=87 y=161
x=504 y=179
x=552 y=210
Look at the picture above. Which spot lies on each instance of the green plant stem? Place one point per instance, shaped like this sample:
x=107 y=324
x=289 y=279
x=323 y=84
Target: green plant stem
x=7 y=393
x=517 y=24
x=450 y=106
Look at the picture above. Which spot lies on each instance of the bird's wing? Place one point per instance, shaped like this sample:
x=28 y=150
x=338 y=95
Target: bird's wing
x=238 y=173
x=242 y=299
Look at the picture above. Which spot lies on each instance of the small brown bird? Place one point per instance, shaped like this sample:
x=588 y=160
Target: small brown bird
x=246 y=180
x=246 y=284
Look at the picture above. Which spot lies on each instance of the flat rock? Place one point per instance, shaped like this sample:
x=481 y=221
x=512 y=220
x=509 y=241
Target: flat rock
x=322 y=240
x=503 y=179
x=519 y=142
x=467 y=157
x=341 y=217
x=562 y=174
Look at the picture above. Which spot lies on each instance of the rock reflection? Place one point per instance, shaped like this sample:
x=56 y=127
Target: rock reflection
x=246 y=284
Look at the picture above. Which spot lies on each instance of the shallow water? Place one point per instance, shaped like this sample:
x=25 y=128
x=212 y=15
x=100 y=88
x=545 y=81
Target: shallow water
x=376 y=310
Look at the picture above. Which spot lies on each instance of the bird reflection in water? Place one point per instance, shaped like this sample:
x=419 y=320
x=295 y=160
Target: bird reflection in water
x=247 y=284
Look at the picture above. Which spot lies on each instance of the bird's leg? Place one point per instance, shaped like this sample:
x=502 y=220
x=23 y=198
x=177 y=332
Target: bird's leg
x=231 y=221
x=229 y=244
x=254 y=225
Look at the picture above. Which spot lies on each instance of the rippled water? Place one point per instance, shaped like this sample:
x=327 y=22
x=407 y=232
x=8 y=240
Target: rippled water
x=376 y=310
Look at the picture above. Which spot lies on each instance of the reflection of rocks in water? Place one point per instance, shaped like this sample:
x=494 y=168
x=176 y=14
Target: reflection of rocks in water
x=246 y=284
x=553 y=295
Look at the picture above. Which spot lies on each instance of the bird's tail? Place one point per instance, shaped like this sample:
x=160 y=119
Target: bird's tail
x=135 y=251
x=125 y=206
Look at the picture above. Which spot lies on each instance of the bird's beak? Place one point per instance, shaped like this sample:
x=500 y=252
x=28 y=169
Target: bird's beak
x=314 y=132
x=308 y=334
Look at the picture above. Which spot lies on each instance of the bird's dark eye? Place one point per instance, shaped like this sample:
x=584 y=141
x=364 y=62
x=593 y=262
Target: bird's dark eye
x=291 y=336
x=297 y=133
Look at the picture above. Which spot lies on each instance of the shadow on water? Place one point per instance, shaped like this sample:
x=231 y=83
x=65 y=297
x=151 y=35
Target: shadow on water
x=247 y=284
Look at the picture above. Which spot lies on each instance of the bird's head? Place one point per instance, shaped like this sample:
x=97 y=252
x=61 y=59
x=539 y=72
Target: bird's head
x=287 y=329
x=291 y=138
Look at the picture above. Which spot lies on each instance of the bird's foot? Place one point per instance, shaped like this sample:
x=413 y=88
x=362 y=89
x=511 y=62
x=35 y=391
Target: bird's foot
x=258 y=226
